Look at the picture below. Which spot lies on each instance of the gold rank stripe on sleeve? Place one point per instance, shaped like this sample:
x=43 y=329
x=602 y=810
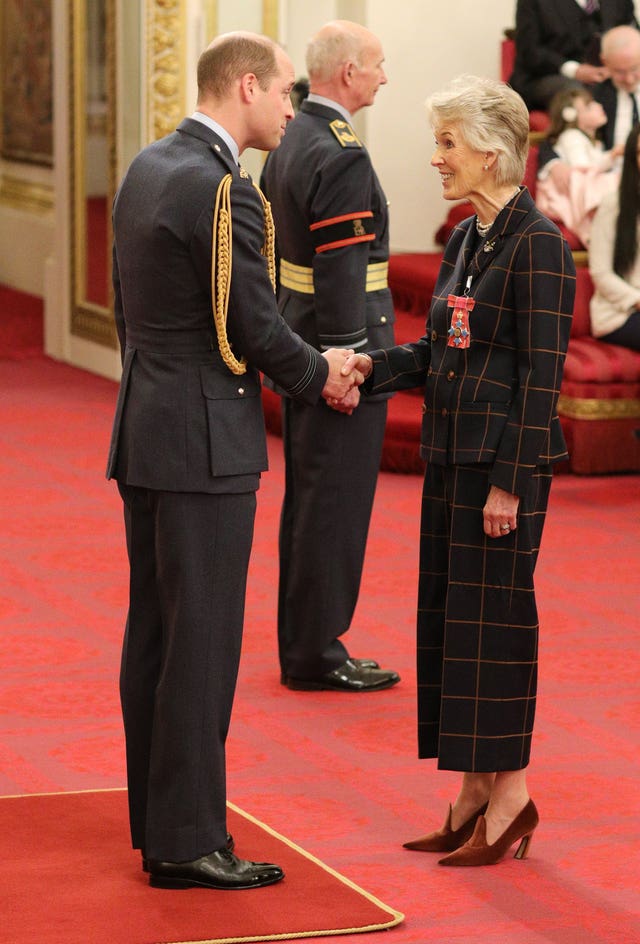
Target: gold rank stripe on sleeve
x=300 y=278
x=346 y=230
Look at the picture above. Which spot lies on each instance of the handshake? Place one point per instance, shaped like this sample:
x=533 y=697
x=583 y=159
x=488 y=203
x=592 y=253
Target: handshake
x=347 y=371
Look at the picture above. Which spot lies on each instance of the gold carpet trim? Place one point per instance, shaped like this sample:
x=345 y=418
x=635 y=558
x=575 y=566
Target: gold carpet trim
x=395 y=917
x=595 y=408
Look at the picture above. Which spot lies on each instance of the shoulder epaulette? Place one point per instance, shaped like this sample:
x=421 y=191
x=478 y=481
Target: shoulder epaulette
x=345 y=133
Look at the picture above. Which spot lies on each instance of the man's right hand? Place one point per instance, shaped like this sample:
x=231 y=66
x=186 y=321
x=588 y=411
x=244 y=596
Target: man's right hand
x=340 y=381
x=591 y=75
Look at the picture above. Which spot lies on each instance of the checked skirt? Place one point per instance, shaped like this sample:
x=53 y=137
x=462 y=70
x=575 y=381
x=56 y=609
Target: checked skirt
x=477 y=651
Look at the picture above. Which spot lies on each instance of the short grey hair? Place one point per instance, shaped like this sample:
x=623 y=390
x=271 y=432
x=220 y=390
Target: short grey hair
x=329 y=50
x=491 y=117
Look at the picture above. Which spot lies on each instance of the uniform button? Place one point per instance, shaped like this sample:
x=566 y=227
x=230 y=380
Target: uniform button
x=430 y=371
x=434 y=335
x=383 y=320
x=241 y=391
x=216 y=147
x=424 y=407
x=444 y=411
x=451 y=375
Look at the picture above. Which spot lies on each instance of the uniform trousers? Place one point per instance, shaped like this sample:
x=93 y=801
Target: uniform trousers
x=331 y=468
x=477 y=654
x=188 y=555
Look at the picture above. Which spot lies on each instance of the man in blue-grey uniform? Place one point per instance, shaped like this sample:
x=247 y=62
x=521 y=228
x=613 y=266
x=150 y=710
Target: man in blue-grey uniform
x=332 y=236
x=194 y=277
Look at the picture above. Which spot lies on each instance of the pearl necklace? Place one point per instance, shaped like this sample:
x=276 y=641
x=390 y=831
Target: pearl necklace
x=483 y=228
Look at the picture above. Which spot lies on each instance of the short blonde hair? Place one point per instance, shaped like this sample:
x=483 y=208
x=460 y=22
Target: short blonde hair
x=491 y=117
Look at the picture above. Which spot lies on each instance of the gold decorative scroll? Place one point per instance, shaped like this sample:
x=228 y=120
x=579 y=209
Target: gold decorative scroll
x=166 y=66
x=599 y=408
x=25 y=194
x=270 y=18
x=210 y=19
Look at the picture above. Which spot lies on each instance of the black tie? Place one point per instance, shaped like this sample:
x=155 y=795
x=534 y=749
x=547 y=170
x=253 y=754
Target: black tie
x=634 y=109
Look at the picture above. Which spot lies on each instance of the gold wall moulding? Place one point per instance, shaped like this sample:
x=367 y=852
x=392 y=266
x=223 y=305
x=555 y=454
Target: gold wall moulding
x=270 y=18
x=91 y=324
x=26 y=195
x=92 y=157
x=599 y=408
x=166 y=66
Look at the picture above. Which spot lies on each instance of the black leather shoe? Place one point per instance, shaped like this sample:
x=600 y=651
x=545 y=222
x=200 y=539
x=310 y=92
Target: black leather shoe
x=363 y=663
x=349 y=677
x=230 y=846
x=220 y=869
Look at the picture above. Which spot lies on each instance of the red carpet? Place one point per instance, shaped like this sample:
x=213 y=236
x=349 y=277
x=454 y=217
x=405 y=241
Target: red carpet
x=70 y=879
x=336 y=774
x=21 y=324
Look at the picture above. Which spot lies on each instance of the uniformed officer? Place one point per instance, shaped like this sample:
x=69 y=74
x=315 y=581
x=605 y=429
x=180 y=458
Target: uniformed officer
x=332 y=235
x=189 y=445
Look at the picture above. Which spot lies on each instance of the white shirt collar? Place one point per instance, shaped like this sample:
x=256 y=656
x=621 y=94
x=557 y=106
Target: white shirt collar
x=220 y=131
x=321 y=100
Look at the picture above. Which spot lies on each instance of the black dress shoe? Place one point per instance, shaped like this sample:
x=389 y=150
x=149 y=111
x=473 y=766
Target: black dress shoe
x=230 y=846
x=220 y=869
x=349 y=677
x=363 y=663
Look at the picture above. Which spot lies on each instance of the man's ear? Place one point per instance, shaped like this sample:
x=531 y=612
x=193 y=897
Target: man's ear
x=248 y=84
x=348 y=70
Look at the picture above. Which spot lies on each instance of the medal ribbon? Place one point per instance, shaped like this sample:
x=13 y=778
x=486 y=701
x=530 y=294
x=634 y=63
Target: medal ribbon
x=460 y=332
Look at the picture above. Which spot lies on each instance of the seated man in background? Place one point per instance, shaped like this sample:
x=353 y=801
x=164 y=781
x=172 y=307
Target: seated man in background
x=558 y=44
x=619 y=95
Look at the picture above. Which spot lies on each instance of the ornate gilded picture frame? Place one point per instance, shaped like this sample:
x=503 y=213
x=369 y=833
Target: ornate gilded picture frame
x=27 y=81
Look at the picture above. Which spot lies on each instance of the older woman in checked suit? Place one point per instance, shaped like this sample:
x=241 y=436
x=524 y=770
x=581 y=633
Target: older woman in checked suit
x=491 y=362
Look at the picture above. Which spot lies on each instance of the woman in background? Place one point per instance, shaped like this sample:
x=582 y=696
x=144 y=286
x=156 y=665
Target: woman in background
x=614 y=256
x=491 y=362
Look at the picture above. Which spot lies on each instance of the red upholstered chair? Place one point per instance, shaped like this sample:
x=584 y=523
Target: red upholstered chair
x=599 y=404
x=538 y=120
x=412 y=279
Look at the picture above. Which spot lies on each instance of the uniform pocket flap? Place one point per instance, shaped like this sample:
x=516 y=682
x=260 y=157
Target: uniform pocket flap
x=227 y=386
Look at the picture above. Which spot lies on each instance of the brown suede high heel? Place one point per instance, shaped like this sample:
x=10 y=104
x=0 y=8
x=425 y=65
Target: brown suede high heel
x=477 y=852
x=446 y=839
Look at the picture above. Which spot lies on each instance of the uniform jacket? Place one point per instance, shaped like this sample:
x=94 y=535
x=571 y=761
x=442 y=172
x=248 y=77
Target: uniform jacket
x=495 y=401
x=551 y=32
x=184 y=421
x=331 y=216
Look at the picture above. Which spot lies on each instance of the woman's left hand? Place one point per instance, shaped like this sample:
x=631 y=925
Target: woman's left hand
x=500 y=512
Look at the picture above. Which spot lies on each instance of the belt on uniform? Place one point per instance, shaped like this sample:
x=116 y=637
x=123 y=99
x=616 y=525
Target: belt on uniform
x=300 y=278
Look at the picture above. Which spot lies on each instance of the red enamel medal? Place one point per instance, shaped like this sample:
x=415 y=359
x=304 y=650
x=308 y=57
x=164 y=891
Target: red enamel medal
x=460 y=332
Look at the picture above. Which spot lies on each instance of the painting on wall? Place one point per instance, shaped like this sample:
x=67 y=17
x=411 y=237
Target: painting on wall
x=27 y=93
